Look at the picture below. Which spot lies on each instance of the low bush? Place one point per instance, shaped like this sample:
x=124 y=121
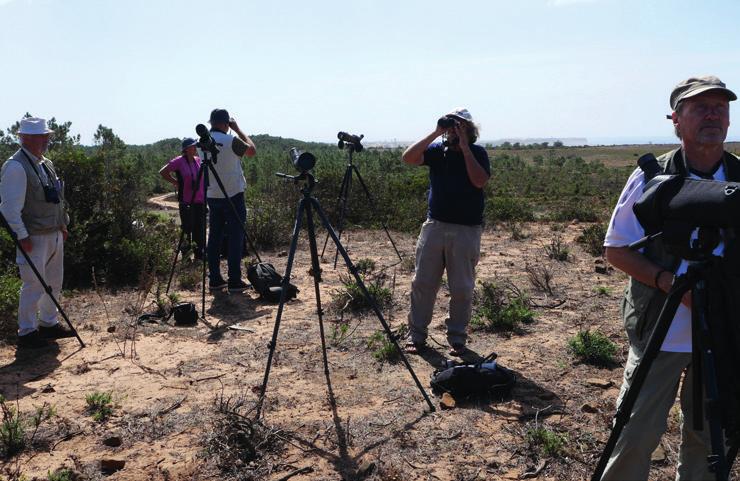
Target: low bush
x=100 y=405
x=385 y=350
x=557 y=249
x=350 y=295
x=546 y=441
x=592 y=239
x=592 y=348
x=500 y=307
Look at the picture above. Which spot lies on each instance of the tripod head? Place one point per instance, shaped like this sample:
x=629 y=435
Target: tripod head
x=307 y=177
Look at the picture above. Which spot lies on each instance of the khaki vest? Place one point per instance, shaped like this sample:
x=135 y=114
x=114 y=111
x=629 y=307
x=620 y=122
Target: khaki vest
x=642 y=303
x=39 y=216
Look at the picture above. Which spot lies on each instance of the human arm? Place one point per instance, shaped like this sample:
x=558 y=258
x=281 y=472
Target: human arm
x=167 y=174
x=476 y=173
x=250 y=150
x=12 y=199
x=414 y=154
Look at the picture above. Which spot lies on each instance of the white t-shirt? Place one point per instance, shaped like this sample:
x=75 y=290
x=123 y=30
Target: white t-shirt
x=624 y=229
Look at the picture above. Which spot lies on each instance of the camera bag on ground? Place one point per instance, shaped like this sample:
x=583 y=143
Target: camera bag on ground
x=268 y=283
x=185 y=314
x=484 y=379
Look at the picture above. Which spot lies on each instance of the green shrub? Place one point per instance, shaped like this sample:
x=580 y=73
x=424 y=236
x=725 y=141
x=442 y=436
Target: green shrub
x=383 y=349
x=500 y=308
x=100 y=405
x=580 y=210
x=592 y=239
x=592 y=348
x=365 y=266
x=12 y=430
x=60 y=475
x=350 y=295
x=17 y=431
x=500 y=208
x=557 y=249
x=547 y=441
x=10 y=285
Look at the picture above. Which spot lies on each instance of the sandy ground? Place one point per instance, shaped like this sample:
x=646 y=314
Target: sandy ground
x=371 y=422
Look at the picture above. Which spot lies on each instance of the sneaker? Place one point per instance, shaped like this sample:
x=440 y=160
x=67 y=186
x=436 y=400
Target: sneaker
x=216 y=286
x=238 y=286
x=57 y=331
x=32 y=341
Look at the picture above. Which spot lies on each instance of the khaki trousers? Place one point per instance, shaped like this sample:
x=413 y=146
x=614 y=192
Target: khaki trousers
x=443 y=247
x=630 y=460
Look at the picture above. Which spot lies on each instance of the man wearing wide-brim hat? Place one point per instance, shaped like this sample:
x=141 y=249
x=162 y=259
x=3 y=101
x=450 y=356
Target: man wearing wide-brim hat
x=701 y=116
x=32 y=202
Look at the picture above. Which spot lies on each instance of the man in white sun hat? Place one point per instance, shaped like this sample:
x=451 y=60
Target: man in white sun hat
x=450 y=237
x=32 y=202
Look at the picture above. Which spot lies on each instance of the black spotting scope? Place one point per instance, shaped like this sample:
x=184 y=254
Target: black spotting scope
x=302 y=161
x=206 y=142
x=354 y=140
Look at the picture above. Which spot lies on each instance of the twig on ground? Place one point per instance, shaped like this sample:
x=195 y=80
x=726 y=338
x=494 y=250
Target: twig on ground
x=306 y=470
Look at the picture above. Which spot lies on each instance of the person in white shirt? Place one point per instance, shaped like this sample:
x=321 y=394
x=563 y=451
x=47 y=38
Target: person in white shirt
x=221 y=219
x=32 y=202
x=701 y=116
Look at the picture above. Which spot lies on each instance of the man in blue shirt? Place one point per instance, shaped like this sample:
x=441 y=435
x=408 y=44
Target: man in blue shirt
x=450 y=237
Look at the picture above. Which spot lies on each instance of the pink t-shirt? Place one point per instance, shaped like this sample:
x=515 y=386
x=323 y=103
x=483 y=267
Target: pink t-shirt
x=188 y=172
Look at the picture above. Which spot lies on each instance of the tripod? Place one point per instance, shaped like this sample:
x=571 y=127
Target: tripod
x=703 y=358
x=205 y=166
x=308 y=204
x=342 y=202
x=47 y=287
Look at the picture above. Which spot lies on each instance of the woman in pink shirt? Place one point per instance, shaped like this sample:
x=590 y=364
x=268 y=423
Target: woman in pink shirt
x=185 y=169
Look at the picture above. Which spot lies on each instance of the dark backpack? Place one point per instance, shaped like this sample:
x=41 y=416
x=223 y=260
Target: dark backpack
x=267 y=282
x=484 y=379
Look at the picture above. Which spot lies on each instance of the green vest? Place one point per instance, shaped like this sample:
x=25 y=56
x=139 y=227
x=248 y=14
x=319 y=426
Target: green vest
x=642 y=303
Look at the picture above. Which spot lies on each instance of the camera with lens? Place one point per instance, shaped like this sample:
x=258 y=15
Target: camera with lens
x=446 y=122
x=51 y=194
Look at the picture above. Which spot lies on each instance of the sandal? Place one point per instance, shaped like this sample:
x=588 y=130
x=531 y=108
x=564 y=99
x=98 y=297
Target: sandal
x=458 y=350
x=412 y=347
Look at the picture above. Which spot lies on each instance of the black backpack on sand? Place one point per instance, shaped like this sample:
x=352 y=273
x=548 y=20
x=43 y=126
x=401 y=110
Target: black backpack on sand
x=267 y=282
x=483 y=379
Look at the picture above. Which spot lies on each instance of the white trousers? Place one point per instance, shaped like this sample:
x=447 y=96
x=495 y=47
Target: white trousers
x=35 y=307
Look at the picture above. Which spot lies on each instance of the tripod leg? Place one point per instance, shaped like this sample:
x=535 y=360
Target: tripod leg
x=717 y=460
x=286 y=281
x=367 y=294
x=316 y=271
x=624 y=410
x=341 y=201
x=47 y=287
x=374 y=209
x=342 y=213
x=174 y=261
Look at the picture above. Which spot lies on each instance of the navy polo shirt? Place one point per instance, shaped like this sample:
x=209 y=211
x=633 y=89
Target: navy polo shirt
x=452 y=197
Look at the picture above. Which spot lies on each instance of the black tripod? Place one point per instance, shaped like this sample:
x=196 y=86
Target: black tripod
x=344 y=195
x=703 y=358
x=205 y=166
x=307 y=204
x=47 y=287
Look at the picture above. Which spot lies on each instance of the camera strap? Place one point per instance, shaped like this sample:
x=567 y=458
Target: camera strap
x=48 y=182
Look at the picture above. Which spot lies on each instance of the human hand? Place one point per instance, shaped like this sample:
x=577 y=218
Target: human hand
x=686 y=299
x=233 y=125
x=26 y=244
x=462 y=133
x=65 y=234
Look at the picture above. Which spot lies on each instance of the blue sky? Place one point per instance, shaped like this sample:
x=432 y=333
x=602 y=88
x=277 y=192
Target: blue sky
x=387 y=69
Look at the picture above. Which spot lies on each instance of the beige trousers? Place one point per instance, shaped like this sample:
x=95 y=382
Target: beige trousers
x=453 y=248
x=641 y=435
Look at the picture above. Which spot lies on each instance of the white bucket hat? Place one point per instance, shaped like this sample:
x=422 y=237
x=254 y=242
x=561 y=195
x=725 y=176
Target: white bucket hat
x=462 y=114
x=34 y=126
